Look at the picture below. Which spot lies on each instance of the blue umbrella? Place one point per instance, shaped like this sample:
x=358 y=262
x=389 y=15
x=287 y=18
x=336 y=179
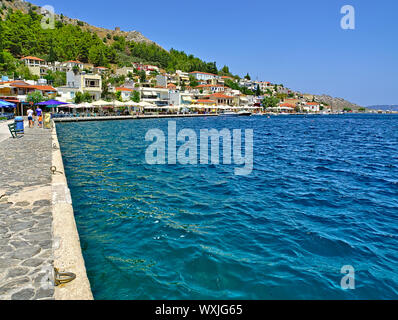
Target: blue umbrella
x=51 y=103
x=6 y=104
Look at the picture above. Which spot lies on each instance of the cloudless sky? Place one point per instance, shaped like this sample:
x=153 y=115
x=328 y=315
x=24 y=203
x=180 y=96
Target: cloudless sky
x=297 y=43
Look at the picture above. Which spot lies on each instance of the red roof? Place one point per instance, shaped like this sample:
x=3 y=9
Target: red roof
x=205 y=101
x=124 y=89
x=312 y=103
x=220 y=95
x=171 y=85
x=212 y=74
x=289 y=105
x=210 y=85
x=21 y=84
x=32 y=58
x=44 y=88
x=74 y=61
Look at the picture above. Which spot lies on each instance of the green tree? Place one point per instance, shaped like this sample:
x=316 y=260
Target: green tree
x=35 y=97
x=135 y=97
x=258 y=91
x=1 y=37
x=247 y=77
x=119 y=96
x=8 y=64
x=225 y=72
x=76 y=69
x=193 y=83
x=78 y=97
x=142 y=75
x=52 y=56
x=270 y=102
x=281 y=96
x=57 y=78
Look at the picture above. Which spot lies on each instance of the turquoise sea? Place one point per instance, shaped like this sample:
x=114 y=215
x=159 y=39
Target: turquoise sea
x=323 y=194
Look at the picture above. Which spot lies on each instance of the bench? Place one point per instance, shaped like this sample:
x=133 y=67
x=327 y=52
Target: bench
x=13 y=130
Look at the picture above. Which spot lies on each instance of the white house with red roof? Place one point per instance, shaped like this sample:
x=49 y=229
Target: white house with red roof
x=312 y=107
x=69 y=65
x=37 y=67
x=125 y=93
x=210 y=88
x=100 y=70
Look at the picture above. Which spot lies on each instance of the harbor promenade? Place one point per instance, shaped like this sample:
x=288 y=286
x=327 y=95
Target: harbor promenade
x=26 y=240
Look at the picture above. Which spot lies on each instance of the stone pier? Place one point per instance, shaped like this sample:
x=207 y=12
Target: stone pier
x=26 y=236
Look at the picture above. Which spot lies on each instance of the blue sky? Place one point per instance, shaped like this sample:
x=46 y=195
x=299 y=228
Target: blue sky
x=297 y=43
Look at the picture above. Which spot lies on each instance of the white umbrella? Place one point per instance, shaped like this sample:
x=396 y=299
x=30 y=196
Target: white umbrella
x=118 y=103
x=101 y=103
x=83 y=105
x=146 y=104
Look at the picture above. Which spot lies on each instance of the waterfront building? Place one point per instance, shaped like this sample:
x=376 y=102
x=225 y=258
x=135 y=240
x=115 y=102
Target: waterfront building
x=125 y=93
x=37 y=67
x=177 y=98
x=157 y=96
x=91 y=83
x=223 y=99
x=312 y=107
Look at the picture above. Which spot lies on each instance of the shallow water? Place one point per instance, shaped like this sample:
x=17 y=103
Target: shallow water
x=323 y=194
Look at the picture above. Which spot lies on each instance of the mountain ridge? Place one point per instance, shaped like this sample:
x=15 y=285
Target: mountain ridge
x=26 y=6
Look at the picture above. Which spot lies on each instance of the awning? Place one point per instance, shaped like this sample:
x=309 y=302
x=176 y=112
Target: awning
x=150 y=93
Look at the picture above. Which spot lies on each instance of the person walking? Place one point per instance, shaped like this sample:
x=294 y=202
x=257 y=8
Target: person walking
x=39 y=114
x=30 y=117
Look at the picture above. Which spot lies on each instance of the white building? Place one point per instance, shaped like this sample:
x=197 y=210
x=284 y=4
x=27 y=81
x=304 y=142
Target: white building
x=312 y=107
x=126 y=93
x=91 y=83
x=36 y=66
x=178 y=98
x=158 y=96
x=204 y=76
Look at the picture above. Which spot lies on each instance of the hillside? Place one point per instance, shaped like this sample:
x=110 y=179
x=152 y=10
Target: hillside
x=21 y=34
x=338 y=104
x=25 y=7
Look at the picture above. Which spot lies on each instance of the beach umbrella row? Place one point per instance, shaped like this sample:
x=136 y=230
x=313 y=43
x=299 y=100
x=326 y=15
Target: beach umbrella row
x=6 y=104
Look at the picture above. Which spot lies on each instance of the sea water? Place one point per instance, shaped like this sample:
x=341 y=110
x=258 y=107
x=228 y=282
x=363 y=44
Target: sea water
x=323 y=194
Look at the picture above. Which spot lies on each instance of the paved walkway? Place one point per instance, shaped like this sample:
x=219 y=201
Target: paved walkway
x=4 y=131
x=26 y=238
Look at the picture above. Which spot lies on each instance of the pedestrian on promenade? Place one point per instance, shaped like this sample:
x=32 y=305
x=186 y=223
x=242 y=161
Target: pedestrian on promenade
x=39 y=114
x=30 y=117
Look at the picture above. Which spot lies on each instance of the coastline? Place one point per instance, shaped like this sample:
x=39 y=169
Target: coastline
x=68 y=255
x=81 y=119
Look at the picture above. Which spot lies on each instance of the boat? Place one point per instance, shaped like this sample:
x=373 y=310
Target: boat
x=244 y=113
x=229 y=114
